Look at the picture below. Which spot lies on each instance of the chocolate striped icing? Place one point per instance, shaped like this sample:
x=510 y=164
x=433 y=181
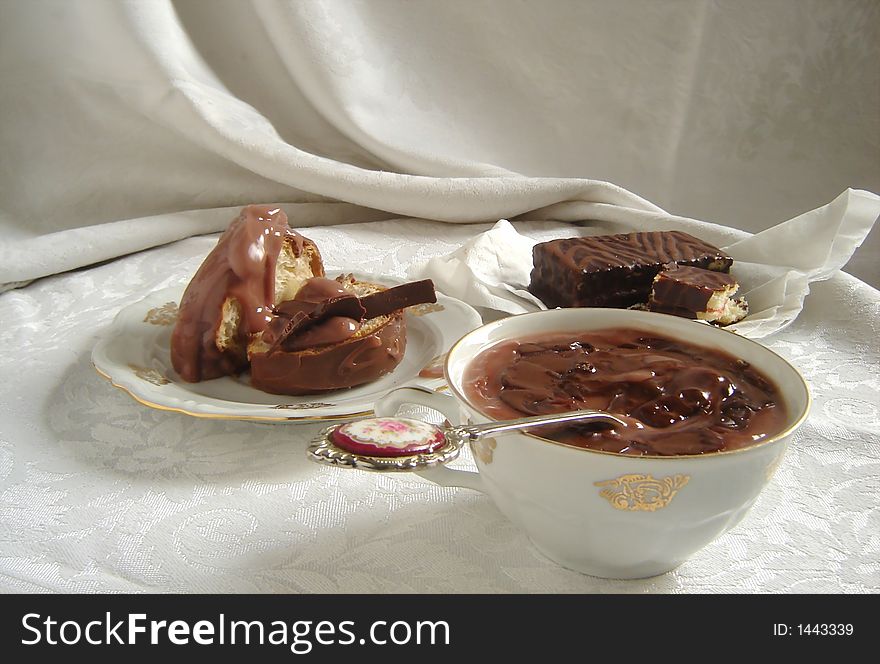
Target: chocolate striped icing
x=604 y=252
x=614 y=270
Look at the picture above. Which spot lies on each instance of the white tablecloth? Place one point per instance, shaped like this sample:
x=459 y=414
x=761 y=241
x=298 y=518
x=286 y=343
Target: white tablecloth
x=101 y=494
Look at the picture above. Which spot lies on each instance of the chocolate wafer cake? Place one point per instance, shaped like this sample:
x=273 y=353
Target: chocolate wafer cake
x=614 y=270
x=691 y=292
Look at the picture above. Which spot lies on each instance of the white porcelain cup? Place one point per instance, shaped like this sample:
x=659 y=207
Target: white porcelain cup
x=600 y=513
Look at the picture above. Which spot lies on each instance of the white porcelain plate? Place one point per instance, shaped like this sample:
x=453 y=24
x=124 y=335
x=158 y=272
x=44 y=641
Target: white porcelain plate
x=134 y=355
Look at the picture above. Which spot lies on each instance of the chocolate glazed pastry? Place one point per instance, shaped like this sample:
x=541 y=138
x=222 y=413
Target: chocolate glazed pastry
x=334 y=335
x=333 y=367
x=614 y=270
x=258 y=261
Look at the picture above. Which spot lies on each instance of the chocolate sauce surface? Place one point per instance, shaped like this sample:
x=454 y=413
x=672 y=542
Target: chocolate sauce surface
x=677 y=398
x=241 y=266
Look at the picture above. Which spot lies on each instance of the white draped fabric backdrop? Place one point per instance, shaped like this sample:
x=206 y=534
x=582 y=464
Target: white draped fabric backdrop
x=128 y=124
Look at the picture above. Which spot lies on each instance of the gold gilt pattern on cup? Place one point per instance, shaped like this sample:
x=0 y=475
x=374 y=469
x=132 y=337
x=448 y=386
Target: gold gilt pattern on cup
x=149 y=375
x=164 y=315
x=483 y=449
x=422 y=309
x=641 y=493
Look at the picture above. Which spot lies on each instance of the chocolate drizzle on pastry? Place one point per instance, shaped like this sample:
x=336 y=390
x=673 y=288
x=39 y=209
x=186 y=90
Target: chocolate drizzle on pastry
x=315 y=345
x=293 y=316
x=335 y=366
x=240 y=267
x=308 y=321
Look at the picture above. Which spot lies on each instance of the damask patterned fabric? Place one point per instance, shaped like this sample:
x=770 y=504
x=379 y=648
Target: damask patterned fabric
x=100 y=493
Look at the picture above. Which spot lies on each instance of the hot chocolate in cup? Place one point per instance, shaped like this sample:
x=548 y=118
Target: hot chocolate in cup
x=605 y=513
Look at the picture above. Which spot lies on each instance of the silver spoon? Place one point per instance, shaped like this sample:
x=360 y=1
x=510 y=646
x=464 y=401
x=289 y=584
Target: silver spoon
x=404 y=444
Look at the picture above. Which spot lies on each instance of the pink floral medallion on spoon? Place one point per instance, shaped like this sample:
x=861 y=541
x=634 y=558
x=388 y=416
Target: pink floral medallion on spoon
x=388 y=437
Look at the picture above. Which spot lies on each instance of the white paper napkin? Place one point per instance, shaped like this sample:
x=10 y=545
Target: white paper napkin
x=774 y=267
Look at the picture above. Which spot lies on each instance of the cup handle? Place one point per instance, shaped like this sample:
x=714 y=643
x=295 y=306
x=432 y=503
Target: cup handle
x=388 y=406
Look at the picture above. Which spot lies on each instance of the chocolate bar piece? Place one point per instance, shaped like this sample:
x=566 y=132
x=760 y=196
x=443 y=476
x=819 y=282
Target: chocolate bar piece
x=692 y=292
x=399 y=297
x=614 y=270
x=295 y=316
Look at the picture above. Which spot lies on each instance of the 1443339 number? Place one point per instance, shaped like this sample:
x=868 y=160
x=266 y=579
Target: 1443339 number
x=825 y=629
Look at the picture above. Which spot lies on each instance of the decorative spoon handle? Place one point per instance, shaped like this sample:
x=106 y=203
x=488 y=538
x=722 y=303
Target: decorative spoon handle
x=476 y=431
x=402 y=444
